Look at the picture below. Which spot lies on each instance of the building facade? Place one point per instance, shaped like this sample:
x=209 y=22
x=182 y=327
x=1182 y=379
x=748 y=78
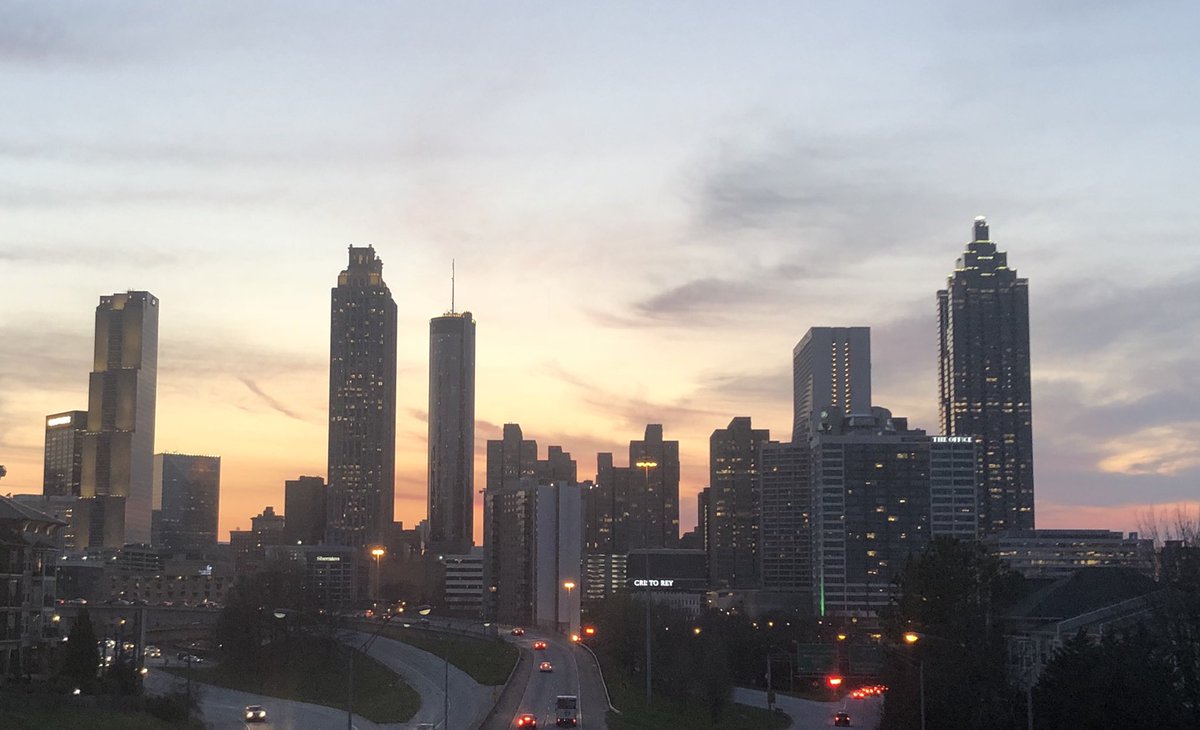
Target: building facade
x=28 y=555
x=117 y=468
x=362 y=403
x=831 y=373
x=733 y=502
x=187 y=499
x=463 y=594
x=984 y=378
x=63 y=466
x=304 y=510
x=1060 y=553
x=452 y=432
x=785 y=525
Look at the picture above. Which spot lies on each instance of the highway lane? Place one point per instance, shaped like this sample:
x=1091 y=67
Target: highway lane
x=807 y=714
x=543 y=688
x=427 y=674
x=221 y=709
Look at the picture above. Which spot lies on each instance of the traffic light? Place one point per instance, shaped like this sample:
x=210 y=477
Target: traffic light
x=834 y=681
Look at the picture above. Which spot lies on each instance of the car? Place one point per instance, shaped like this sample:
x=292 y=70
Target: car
x=539 y=645
x=545 y=667
x=526 y=721
x=841 y=719
x=255 y=713
x=858 y=694
x=517 y=631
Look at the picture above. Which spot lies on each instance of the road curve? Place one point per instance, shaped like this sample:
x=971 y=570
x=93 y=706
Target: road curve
x=807 y=714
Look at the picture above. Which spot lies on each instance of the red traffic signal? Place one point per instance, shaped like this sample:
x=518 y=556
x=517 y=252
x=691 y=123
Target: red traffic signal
x=833 y=680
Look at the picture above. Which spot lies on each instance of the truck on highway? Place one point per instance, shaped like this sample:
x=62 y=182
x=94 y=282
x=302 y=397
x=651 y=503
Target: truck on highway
x=566 y=711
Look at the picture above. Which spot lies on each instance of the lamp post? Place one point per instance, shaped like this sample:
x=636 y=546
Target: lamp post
x=646 y=464
x=377 y=553
x=570 y=586
x=283 y=613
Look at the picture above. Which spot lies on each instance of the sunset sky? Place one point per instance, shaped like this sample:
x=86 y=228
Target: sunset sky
x=648 y=203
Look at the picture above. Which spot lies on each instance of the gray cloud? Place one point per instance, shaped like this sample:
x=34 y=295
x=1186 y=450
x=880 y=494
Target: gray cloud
x=270 y=401
x=58 y=255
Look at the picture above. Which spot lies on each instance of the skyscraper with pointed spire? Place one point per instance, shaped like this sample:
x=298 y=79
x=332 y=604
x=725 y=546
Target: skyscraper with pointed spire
x=362 y=403
x=452 y=430
x=984 y=378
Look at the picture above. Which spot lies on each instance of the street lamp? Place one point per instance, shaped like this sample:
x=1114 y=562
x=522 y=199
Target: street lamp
x=284 y=613
x=377 y=553
x=646 y=464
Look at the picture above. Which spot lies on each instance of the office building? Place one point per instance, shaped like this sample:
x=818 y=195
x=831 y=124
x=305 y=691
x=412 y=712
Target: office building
x=513 y=458
x=452 y=432
x=249 y=547
x=653 y=499
x=983 y=378
x=362 y=403
x=118 y=448
x=785 y=525
x=463 y=595
x=63 y=466
x=331 y=575
x=1058 y=554
x=187 y=498
x=953 y=491
x=870 y=509
x=733 y=522
x=61 y=509
x=304 y=510
x=831 y=374
x=671 y=577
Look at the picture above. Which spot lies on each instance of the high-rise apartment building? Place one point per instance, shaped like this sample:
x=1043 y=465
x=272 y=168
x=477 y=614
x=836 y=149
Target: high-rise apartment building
x=362 y=404
x=831 y=374
x=118 y=449
x=785 y=508
x=304 y=510
x=513 y=458
x=63 y=465
x=653 y=498
x=452 y=432
x=984 y=379
x=187 y=498
x=733 y=522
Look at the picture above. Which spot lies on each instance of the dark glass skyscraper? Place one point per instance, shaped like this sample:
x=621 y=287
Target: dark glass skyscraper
x=63 y=466
x=304 y=511
x=187 y=499
x=118 y=448
x=362 y=403
x=452 y=432
x=983 y=378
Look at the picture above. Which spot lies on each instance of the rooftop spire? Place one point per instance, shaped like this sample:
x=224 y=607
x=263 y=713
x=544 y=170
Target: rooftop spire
x=451 y=286
x=981 y=229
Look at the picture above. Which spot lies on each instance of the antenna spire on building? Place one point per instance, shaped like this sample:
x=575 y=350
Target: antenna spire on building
x=451 y=286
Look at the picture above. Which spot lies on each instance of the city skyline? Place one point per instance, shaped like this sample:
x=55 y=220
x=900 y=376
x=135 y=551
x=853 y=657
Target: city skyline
x=624 y=272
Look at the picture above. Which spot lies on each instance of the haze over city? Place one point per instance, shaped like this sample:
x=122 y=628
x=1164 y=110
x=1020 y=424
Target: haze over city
x=646 y=211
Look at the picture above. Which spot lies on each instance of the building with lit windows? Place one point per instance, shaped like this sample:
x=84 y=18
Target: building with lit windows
x=187 y=498
x=63 y=464
x=733 y=503
x=984 y=378
x=831 y=373
x=785 y=529
x=1060 y=553
x=362 y=404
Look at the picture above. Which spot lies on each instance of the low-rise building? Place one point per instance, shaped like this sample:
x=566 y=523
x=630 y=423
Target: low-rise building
x=27 y=589
x=1060 y=553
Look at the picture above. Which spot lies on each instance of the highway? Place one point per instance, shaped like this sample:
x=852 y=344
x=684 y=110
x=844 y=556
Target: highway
x=221 y=709
x=574 y=673
x=807 y=714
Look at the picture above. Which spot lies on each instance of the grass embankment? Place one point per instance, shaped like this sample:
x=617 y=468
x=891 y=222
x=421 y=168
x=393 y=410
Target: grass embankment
x=314 y=671
x=81 y=718
x=629 y=695
x=488 y=661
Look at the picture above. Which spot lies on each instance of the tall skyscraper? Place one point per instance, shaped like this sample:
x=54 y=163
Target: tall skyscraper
x=362 y=403
x=831 y=371
x=118 y=448
x=187 y=499
x=63 y=466
x=304 y=510
x=733 y=527
x=983 y=378
x=452 y=432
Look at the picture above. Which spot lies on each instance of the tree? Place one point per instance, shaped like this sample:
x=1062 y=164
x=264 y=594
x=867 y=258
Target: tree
x=952 y=593
x=82 y=657
x=247 y=622
x=1119 y=681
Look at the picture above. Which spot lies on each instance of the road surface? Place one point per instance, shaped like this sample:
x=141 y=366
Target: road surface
x=427 y=674
x=573 y=672
x=808 y=714
x=221 y=709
